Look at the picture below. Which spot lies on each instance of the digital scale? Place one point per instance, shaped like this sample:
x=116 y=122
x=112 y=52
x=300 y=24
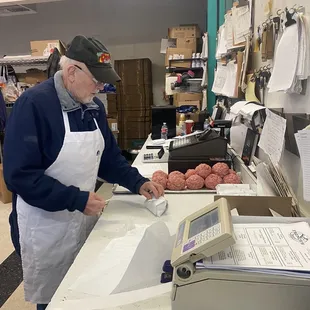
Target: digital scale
x=161 y=156
x=206 y=233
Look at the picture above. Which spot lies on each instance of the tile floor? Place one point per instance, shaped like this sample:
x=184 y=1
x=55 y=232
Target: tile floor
x=16 y=300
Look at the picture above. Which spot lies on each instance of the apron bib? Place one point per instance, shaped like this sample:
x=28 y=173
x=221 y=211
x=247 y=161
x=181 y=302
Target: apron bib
x=50 y=241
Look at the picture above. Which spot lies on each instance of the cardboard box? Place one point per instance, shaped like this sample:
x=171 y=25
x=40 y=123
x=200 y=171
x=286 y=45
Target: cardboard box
x=46 y=47
x=180 y=32
x=113 y=124
x=190 y=43
x=179 y=53
x=259 y=205
x=186 y=97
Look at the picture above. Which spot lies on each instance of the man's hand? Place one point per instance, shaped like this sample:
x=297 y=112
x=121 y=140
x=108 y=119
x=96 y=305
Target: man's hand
x=95 y=205
x=149 y=188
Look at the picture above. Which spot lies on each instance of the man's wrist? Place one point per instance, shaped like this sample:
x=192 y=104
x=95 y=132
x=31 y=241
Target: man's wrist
x=140 y=183
x=81 y=201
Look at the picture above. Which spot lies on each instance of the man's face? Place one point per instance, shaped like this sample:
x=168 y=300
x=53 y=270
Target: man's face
x=84 y=85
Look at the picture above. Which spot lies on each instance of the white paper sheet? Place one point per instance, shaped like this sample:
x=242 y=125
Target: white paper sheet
x=241 y=23
x=122 y=266
x=250 y=109
x=222 y=43
x=272 y=138
x=219 y=79
x=286 y=58
x=236 y=108
x=237 y=138
x=229 y=31
x=231 y=80
x=107 y=270
x=271 y=247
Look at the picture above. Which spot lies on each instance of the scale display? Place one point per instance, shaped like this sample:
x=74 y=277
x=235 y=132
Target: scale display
x=204 y=223
x=203 y=234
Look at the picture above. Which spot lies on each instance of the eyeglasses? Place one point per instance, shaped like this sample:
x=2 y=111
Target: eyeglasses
x=98 y=84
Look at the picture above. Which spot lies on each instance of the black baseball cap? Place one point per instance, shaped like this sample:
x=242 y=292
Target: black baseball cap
x=95 y=56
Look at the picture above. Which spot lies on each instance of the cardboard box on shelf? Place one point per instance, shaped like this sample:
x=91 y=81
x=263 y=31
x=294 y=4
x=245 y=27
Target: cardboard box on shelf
x=186 y=97
x=190 y=43
x=113 y=124
x=179 y=53
x=46 y=47
x=180 y=32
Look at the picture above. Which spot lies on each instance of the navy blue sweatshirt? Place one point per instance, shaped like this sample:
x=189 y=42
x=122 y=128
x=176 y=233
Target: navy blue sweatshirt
x=34 y=137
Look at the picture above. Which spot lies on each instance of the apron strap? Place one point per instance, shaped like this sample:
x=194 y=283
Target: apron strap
x=67 y=124
x=96 y=123
x=66 y=121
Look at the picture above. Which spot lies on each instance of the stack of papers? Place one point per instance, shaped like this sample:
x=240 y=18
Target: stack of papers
x=279 y=249
x=303 y=143
x=292 y=58
x=271 y=179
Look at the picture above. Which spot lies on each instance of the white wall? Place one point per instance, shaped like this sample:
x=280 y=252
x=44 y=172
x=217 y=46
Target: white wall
x=291 y=103
x=129 y=28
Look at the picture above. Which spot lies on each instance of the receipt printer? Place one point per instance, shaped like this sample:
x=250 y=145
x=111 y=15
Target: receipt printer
x=206 y=233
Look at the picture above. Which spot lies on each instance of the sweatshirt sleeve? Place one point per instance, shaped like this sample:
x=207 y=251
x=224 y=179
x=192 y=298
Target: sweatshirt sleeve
x=114 y=168
x=23 y=164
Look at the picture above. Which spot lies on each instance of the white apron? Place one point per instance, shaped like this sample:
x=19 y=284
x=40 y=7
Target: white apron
x=50 y=241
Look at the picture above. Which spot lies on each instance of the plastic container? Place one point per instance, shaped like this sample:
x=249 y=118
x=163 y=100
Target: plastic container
x=164 y=132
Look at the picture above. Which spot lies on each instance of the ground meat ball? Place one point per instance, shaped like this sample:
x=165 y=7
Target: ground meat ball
x=160 y=180
x=203 y=170
x=232 y=178
x=189 y=173
x=176 y=183
x=212 y=181
x=160 y=173
x=232 y=171
x=220 y=169
x=176 y=174
x=195 y=182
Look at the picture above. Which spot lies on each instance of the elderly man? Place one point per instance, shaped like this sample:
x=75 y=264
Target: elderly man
x=57 y=143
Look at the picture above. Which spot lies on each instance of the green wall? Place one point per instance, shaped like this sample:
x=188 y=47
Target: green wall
x=216 y=10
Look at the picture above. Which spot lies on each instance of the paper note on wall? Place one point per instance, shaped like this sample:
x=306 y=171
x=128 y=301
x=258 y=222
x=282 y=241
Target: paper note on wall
x=241 y=18
x=229 y=88
x=220 y=79
x=272 y=138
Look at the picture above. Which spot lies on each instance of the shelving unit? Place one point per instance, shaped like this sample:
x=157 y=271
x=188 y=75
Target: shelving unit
x=24 y=61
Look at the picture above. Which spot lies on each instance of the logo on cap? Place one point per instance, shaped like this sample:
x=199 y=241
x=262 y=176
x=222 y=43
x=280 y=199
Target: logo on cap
x=104 y=58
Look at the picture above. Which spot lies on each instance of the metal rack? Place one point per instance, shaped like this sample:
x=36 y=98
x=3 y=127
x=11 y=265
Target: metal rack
x=24 y=61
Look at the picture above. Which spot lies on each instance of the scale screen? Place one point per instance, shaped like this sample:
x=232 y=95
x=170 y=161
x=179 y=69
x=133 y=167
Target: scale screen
x=203 y=223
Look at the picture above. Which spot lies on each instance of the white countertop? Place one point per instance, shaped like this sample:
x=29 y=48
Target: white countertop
x=125 y=211
x=121 y=212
